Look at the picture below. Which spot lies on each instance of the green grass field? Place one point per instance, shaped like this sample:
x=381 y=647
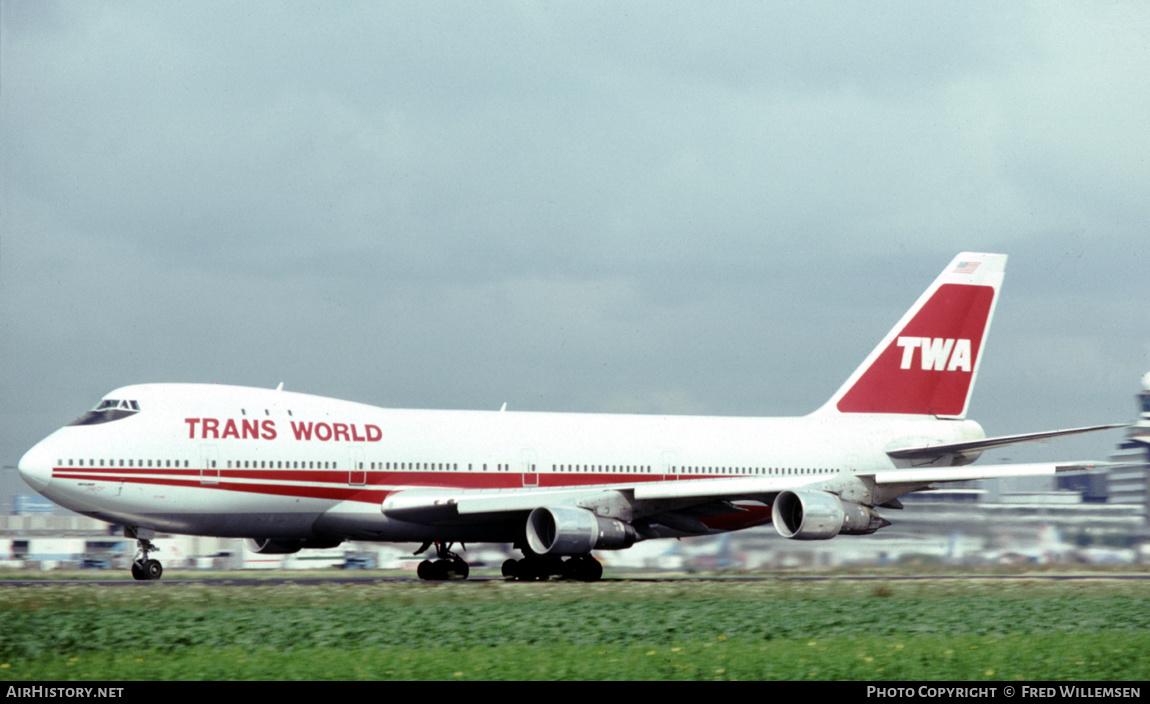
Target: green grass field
x=1018 y=629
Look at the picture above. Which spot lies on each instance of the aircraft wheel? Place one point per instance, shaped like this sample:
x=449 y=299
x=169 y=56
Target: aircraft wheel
x=426 y=570
x=588 y=569
x=510 y=568
x=531 y=570
x=152 y=569
x=138 y=571
x=460 y=568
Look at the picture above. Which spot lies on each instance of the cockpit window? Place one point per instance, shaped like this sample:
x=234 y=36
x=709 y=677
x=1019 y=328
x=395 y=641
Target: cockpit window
x=107 y=411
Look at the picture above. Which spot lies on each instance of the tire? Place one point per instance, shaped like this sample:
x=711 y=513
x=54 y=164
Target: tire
x=587 y=569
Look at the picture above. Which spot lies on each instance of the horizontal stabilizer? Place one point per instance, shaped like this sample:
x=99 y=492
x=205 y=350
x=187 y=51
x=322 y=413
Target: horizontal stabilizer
x=958 y=448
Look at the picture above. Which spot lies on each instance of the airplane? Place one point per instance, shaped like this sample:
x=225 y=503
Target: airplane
x=289 y=471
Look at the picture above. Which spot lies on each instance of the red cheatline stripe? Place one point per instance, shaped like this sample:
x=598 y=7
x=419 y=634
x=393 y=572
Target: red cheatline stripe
x=335 y=482
x=452 y=479
x=126 y=470
x=338 y=493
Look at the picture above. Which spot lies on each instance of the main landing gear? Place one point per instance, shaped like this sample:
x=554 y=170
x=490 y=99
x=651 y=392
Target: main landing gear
x=143 y=568
x=448 y=565
x=583 y=568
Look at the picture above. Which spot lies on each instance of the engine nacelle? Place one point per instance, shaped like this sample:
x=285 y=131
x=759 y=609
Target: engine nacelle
x=269 y=546
x=569 y=530
x=818 y=515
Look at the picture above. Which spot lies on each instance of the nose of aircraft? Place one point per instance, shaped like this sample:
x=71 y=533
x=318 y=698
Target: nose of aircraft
x=36 y=467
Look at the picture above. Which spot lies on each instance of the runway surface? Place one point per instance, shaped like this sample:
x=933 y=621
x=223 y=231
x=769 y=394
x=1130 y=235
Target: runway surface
x=232 y=581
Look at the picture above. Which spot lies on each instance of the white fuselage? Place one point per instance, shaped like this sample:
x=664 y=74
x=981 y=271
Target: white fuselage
x=245 y=462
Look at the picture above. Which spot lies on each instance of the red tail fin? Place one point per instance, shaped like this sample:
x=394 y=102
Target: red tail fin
x=927 y=364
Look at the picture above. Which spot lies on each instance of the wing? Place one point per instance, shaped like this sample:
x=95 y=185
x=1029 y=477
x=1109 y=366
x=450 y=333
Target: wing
x=990 y=471
x=655 y=509
x=844 y=502
x=802 y=507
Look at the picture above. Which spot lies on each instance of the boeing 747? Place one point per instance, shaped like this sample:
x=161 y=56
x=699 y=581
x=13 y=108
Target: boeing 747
x=290 y=471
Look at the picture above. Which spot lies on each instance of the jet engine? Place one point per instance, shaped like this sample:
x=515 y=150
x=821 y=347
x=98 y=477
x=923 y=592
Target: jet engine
x=818 y=515
x=569 y=530
x=269 y=546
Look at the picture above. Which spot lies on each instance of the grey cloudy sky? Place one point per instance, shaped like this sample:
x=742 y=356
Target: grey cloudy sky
x=670 y=207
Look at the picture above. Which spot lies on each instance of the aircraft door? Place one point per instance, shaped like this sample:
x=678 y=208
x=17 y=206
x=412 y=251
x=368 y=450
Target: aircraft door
x=357 y=475
x=528 y=460
x=670 y=466
x=209 y=465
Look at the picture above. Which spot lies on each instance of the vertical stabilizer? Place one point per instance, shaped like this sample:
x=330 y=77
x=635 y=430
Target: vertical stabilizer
x=927 y=363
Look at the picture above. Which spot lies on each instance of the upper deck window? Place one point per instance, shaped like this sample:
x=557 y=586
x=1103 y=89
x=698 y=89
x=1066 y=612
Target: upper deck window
x=107 y=411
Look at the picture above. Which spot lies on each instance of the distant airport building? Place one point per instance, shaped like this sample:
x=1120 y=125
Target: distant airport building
x=1130 y=484
x=1105 y=511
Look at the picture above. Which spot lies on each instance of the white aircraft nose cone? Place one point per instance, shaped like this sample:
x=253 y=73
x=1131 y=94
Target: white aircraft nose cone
x=36 y=468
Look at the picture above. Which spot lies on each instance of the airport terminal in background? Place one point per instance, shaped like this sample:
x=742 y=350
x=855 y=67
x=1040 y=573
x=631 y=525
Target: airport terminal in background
x=1098 y=517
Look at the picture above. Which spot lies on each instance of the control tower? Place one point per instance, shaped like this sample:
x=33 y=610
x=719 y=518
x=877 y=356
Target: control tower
x=1131 y=484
